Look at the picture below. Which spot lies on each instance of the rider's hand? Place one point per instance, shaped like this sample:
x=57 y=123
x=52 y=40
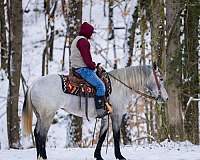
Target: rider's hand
x=98 y=65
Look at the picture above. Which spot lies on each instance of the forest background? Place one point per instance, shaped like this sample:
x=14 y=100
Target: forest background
x=35 y=40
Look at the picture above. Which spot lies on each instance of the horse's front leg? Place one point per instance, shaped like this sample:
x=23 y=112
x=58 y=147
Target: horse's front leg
x=102 y=135
x=116 y=123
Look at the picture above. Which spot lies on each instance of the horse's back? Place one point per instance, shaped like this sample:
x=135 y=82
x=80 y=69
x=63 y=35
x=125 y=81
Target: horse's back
x=49 y=84
x=46 y=92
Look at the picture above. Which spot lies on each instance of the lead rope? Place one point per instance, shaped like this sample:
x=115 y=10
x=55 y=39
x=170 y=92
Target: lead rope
x=107 y=134
x=94 y=132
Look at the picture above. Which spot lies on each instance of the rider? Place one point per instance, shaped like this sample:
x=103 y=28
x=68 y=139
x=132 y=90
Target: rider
x=81 y=61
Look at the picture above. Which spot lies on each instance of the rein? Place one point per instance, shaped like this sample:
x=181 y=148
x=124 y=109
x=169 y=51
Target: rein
x=157 y=83
x=138 y=91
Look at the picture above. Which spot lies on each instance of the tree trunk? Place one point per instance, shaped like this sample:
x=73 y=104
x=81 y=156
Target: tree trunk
x=111 y=30
x=173 y=74
x=110 y=20
x=15 y=18
x=51 y=23
x=3 y=43
x=191 y=58
x=50 y=8
x=158 y=56
x=74 y=19
x=157 y=31
x=143 y=28
x=125 y=128
x=64 y=11
x=131 y=37
x=74 y=22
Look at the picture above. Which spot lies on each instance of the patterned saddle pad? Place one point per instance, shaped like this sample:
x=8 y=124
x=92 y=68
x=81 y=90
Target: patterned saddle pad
x=75 y=85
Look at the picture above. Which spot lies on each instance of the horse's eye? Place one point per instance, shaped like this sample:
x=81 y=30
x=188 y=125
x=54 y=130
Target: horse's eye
x=161 y=79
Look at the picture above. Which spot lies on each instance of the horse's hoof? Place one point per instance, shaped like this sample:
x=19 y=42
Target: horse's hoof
x=98 y=157
x=121 y=158
x=40 y=158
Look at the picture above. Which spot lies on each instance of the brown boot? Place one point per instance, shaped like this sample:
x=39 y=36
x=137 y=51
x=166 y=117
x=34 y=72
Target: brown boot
x=100 y=106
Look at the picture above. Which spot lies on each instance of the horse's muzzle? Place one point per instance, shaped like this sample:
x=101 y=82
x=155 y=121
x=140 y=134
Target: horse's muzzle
x=160 y=99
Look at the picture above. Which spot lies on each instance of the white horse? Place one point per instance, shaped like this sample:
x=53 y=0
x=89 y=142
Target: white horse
x=46 y=96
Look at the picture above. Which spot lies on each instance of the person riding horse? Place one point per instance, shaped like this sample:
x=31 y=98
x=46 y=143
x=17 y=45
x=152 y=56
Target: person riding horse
x=82 y=63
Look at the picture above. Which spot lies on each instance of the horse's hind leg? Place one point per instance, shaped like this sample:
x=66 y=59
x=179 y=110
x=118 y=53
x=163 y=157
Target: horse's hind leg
x=102 y=135
x=40 y=141
x=40 y=133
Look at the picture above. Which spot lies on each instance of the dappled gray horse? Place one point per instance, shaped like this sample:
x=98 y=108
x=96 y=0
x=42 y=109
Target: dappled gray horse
x=46 y=96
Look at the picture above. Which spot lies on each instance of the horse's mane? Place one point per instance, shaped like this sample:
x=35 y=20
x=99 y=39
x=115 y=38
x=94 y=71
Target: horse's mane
x=134 y=76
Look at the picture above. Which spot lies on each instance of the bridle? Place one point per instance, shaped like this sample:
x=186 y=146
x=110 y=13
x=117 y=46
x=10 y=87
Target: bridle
x=157 y=83
x=140 y=92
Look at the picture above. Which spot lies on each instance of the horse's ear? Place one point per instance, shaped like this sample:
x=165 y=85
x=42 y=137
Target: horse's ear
x=154 y=66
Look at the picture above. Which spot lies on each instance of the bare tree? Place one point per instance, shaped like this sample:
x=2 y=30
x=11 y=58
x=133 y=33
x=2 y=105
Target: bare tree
x=74 y=22
x=157 y=18
x=157 y=30
x=15 y=20
x=173 y=74
x=131 y=37
x=64 y=11
x=111 y=30
x=191 y=72
x=3 y=43
x=143 y=28
x=50 y=8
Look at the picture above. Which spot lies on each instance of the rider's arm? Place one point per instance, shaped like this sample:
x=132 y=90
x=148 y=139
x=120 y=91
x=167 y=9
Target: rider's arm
x=84 y=47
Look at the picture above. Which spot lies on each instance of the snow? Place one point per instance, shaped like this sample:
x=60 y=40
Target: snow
x=33 y=45
x=163 y=151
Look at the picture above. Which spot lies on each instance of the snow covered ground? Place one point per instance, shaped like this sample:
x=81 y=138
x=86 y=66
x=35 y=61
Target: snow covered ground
x=33 y=45
x=163 y=151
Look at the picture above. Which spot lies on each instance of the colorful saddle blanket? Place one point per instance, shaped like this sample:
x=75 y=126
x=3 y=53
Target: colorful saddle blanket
x=75 y=85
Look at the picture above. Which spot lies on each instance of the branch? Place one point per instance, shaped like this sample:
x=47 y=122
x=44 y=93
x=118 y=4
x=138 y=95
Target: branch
x=2 y=114
x=3 y=48
x=188 y=103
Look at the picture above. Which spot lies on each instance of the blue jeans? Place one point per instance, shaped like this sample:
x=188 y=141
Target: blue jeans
x=91 y=77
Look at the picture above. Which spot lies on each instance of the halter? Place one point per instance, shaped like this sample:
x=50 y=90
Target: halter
x=140 y=92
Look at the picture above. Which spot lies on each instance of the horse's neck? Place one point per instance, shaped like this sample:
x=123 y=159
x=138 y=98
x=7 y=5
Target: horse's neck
x=134 y=77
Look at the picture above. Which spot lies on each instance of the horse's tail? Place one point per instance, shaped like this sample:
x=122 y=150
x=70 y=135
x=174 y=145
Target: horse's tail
x=27 y=114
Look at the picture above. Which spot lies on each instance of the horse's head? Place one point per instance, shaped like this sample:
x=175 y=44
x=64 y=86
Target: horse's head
x=156 y=86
